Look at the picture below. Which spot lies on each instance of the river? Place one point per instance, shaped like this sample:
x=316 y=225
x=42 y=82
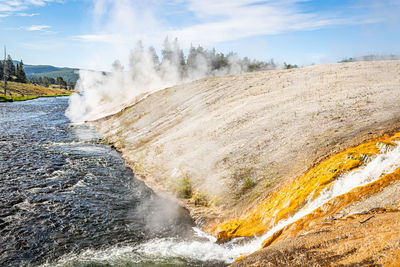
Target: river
x=67 y=199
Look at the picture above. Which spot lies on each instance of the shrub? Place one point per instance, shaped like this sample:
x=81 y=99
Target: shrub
x=183 y=187
x=200 y=199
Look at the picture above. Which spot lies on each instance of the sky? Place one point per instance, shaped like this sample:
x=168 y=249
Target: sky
x=91 y=34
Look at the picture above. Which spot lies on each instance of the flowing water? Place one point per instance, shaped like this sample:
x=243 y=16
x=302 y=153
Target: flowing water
x=66 y=199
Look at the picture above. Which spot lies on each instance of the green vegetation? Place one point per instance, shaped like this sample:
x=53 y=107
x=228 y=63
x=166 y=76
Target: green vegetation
x=40 y=74
x=20 y=73
x=13 y=73
x=206 y=62
x=182 y=187
x=15 y=80
x=371 y=58
x=34 y=69
x=47 y=81
x=244 y=180
x=28 y=97
x=289 y=66
x=26 y=91
x=31 y=89
x=201 y=199
x=220 y=61
x=16 y=98
x=247 y=183
x=69 y=76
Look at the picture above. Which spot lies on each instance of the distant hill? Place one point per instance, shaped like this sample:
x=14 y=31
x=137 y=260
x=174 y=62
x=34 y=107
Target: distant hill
x=68 y=74
x=371 y=58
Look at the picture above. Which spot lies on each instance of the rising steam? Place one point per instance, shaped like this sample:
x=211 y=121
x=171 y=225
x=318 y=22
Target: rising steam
x=100 y=94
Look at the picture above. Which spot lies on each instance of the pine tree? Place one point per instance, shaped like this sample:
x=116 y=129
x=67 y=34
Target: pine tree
x=10 y=68
x=153 y=54
x=21 y=76
x=191 y=59
x=1 y=69
x=17 y=73
x=166 y=52
x=46 y=82
x=60 y=81
x=71 y=86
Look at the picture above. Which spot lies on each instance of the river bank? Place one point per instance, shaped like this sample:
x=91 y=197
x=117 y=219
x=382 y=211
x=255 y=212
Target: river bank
x=24 y=98
x=236 y=139
x=24 y=91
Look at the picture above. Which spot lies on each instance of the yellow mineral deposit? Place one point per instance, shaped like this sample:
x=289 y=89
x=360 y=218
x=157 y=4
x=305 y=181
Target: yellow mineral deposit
x=287 y=200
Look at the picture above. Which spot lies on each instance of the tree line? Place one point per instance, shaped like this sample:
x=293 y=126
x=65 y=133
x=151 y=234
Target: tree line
x=199 y=61
x=47 y=81
x=14 y=73
x=215 y=61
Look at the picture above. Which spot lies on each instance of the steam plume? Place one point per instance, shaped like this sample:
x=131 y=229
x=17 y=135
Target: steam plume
x=100 y=94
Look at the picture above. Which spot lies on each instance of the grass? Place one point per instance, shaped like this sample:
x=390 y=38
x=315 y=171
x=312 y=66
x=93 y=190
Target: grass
x=24 y=98
x=26 y=91
x=201 y=199
x=244 y=181
x=182 y=187
x=247 y=183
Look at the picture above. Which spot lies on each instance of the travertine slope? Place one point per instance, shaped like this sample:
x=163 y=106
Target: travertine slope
x=225 y=143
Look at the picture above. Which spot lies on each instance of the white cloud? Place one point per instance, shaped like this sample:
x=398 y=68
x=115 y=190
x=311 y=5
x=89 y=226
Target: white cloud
x=125 y=21
x=37 y=27
x=9 y=7
x=105 y=38
x=28 y=14
x=118 y=25
x=228 y=20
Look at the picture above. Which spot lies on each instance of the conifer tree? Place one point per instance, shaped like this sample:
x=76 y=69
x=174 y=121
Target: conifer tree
x=17 y=72
x=166 y=52
x=154 y=56
x=60 y=81
x=21 y=76
x=10 y=67
x=1 y=69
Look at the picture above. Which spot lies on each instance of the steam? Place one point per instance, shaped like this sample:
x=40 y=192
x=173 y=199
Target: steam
x=100 y=94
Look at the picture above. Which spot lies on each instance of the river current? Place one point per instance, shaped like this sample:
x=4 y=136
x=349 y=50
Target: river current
x=66 y=199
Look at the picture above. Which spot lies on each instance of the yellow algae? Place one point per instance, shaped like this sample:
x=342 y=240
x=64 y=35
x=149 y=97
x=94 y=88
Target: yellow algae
x=287 y=200
x=333 y=206
x=241 y=257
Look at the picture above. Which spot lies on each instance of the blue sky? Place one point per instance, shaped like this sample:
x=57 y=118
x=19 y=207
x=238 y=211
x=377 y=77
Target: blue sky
x=93 y=33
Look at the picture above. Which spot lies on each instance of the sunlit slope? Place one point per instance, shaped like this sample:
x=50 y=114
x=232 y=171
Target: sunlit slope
x=350 y=166
x=225 y=144
x=26 y=89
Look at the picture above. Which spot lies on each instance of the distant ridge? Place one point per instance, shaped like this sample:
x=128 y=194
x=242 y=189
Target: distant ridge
x=371 y=58
x=68 y=74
